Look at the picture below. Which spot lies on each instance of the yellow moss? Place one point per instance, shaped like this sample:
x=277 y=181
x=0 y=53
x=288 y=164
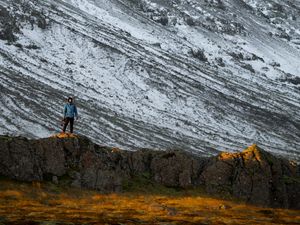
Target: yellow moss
x=248 y=153
x=11 y=193
x=252 y=151
x=251 y=148
x=64 y=135
x=90 y=206
x=226 y=155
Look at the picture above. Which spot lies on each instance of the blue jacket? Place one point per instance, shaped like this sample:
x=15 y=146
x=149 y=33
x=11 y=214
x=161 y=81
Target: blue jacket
x=70 y=110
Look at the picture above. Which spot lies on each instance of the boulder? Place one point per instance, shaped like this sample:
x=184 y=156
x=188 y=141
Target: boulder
x=254 y=176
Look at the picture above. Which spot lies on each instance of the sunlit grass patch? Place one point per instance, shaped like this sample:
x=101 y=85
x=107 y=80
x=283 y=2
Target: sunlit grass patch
x=36 y=202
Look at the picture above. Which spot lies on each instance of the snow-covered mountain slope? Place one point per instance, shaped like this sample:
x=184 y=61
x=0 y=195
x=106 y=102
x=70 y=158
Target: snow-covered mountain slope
x=199 y=75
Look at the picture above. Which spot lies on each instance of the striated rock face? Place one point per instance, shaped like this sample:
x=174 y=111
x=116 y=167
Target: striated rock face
x=253 y=175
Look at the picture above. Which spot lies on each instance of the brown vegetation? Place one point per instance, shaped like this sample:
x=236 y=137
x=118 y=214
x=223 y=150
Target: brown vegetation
x=45 y=203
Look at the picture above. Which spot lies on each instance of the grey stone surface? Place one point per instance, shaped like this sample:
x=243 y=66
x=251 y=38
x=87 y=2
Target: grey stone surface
x=253 y=175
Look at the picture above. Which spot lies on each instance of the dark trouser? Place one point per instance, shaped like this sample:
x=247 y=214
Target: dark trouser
x=67 y=120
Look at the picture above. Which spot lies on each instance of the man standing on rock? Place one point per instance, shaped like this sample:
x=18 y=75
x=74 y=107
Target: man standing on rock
x=70 y=111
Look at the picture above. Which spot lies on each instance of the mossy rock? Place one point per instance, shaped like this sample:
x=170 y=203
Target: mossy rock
x=65 y=180
x=143 y=183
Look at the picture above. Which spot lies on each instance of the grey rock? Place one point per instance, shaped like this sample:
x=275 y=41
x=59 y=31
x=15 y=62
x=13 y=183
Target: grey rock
x=254 y=175
x=55 y=179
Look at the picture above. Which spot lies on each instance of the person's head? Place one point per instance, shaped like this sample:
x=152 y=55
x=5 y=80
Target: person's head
x=70 y=100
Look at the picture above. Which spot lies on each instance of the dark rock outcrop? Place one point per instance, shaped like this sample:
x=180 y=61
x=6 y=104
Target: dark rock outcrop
x=253 y=175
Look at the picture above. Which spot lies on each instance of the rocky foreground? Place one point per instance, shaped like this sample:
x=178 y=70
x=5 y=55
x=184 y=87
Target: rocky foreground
x=254 y=175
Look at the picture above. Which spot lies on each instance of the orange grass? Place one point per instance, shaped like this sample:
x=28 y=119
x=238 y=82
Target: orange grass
x=23 y=203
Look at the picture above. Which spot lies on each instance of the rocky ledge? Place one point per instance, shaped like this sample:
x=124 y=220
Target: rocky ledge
x=254 y=175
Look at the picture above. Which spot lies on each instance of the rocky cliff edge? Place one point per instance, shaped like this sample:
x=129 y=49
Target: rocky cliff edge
x=254 y=175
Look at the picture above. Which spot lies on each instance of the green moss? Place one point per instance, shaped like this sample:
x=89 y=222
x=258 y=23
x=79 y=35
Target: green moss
x=146 y=175
x=6 y=138
x=142 y=183
x=53 y=188
x=65 y=180
x=2 y=220
x=291 y=180
x=269 y=159
x=55 y=223
x=48 y=223
x=3 y=178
